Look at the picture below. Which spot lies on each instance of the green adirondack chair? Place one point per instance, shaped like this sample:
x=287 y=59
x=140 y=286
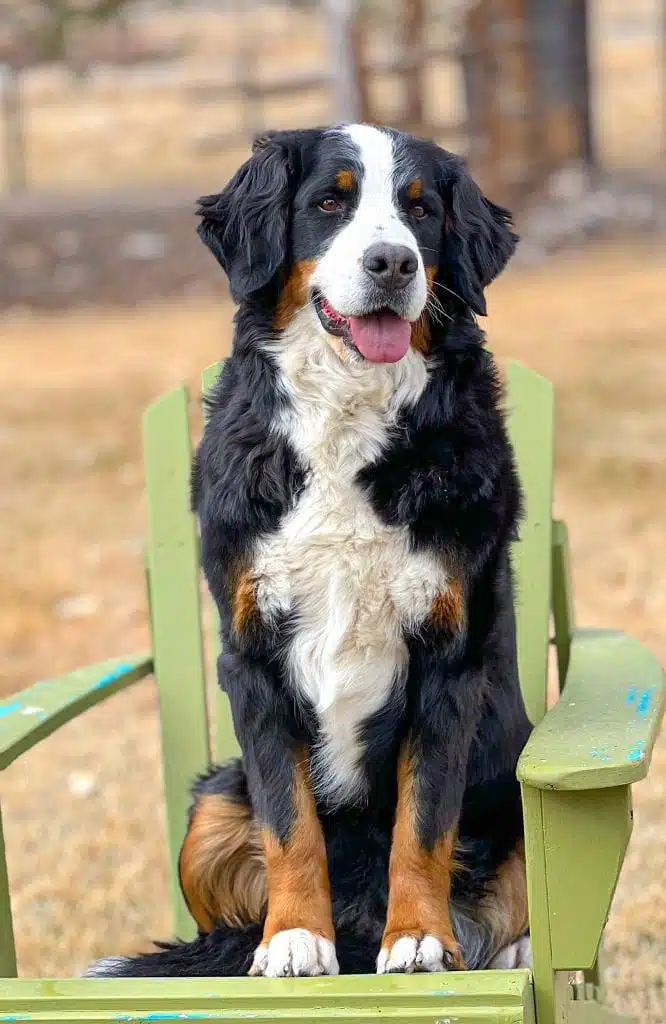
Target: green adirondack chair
x=576 y=774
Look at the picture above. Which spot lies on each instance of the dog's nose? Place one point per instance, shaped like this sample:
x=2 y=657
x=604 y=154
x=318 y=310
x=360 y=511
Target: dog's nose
x=391 y=266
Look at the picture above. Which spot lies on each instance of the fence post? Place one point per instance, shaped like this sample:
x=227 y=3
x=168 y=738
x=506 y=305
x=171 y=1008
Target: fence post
x=11 y=112
x=414 y=22
x=663 y=78
x=581 y=80
x=343 y=46
x=246 y=75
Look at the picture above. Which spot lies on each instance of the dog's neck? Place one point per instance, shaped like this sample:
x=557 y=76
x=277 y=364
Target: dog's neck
x=315 y=375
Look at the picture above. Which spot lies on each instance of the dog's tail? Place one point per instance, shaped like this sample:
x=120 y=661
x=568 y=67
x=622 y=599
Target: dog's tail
x=223 y=953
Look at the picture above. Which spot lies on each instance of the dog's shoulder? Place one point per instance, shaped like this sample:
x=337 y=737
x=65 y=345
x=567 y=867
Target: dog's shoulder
x=245 y=474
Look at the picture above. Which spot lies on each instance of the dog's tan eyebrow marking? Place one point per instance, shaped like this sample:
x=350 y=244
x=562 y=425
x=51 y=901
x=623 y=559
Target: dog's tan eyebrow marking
x=344 y=179
x=415 y=189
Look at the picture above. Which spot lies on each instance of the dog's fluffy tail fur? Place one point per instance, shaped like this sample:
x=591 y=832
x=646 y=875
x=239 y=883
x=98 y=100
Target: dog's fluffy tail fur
x=224 y=953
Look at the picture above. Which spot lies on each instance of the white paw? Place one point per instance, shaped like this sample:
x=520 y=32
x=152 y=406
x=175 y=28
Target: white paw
x=516 y=954
x=409 y=954
x=295 y=953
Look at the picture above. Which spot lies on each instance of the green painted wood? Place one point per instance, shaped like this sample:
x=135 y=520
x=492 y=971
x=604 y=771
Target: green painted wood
x=225 y=744
x=537 y=898
x=601 y=732
x=34 y=713
x=483 y=997
x=585 y=836
x=7 y=947
x=563 y=606
x=530 y=421
x=596 y=975
x=173 y=572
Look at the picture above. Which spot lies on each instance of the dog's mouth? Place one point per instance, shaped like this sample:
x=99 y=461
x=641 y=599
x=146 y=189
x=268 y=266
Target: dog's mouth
x=380 y=337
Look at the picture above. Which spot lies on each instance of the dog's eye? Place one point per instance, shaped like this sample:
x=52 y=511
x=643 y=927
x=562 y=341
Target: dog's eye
x=417 y=212
x=330 y=205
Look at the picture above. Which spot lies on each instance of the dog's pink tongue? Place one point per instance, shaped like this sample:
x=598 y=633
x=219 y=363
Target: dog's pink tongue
x=381 y=337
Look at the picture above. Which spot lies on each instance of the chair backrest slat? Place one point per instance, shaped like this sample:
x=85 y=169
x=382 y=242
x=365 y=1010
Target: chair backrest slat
x=225 y=744
x=531 y=427
x=173 y=572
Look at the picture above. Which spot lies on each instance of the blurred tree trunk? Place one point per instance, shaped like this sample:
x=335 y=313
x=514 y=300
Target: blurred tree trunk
x=560 y=60
x=527 y=88
x=499 y=86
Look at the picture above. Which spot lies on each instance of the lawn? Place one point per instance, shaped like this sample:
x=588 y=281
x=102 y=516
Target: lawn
x=84 y=826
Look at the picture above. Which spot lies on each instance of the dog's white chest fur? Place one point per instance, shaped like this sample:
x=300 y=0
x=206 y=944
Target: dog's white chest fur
x=352 y=583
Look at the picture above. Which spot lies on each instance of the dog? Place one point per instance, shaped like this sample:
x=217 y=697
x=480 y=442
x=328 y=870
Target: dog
x=357 y=497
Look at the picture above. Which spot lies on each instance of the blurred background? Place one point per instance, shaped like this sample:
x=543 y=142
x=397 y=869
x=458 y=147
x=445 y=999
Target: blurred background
x=114 y=116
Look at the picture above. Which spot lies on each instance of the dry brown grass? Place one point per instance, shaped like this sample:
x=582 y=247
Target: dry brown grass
x=83 y=813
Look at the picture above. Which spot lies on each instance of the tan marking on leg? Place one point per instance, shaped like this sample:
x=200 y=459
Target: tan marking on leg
x=505 y=906
x=299 y=892
x=221 y=865
x=244 y=601
x=415 y=189
x=421 y=328
x=419 y=879
x=295 y=292
x=448 y=608
x=344 y=179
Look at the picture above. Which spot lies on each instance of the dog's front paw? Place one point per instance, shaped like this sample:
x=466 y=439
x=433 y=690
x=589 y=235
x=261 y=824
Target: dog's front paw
x=295 y=953
x=411 y=952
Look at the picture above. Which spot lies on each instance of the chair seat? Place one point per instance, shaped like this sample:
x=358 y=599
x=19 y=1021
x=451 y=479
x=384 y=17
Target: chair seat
x=484 y=997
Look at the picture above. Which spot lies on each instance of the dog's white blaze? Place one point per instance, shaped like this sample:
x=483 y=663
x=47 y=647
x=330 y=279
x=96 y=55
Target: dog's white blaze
x=353 y=583
x=339 y=274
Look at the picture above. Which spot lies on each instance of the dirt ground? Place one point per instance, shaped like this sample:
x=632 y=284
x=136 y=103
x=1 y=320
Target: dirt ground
x=83 y=820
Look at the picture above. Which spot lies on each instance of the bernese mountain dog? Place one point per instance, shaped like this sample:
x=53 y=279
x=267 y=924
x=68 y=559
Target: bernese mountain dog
x=357 y=498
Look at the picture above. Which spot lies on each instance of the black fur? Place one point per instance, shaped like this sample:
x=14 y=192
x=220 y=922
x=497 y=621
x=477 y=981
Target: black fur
x=448 y=475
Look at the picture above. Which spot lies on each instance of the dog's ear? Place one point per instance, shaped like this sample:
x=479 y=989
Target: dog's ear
x=246 y=226
x=477 y=238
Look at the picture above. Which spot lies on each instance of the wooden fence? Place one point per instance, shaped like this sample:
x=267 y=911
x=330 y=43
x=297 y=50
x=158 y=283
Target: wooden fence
x=523 y=108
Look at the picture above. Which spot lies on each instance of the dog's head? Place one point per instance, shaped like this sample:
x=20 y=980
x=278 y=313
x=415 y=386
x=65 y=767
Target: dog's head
x=357 y=228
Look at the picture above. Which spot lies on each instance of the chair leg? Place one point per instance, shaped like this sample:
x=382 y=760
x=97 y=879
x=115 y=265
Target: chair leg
x=595 y=975
x=537 y=895
x=7 y=948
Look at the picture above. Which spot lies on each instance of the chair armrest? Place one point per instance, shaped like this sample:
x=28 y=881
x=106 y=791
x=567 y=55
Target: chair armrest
x=602 y=730
x=30 y=715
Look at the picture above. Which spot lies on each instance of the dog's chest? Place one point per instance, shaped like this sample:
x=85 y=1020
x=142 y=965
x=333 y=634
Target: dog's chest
x=352 y=585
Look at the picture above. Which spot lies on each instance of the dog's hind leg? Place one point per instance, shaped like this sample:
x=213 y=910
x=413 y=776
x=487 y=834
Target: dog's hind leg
x=493 y=930
x=222 y=864
x=506 y=909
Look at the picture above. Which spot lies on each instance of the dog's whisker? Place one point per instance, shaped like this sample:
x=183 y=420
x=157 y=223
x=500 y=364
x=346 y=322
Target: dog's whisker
x=444 y=287
x=434 y=306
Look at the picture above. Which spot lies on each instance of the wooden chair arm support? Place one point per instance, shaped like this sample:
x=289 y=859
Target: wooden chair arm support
x=601 y=732
x=30 y=715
